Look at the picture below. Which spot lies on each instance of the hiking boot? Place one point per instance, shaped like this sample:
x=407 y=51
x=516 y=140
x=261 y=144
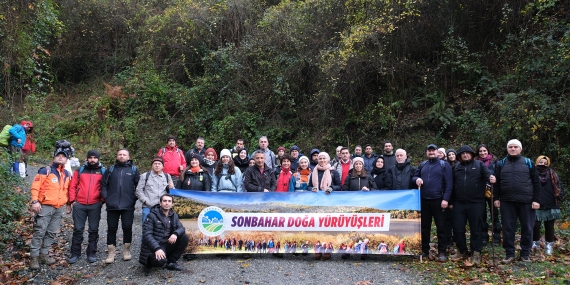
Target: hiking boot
x=34 y=263
x=46 y=259
x=525 y=259
x=110 y=254
x=174 y=266
x=459 y=255
x=91 y=258
x=535 y=245
x=146 y=270
x=73 y=259
x=127 y=252
x=476 y=258
x=508 y=260
x=442 y=257
x=549 y=248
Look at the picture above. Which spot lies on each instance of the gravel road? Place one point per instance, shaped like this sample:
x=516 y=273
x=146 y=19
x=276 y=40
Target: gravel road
x=222 y=269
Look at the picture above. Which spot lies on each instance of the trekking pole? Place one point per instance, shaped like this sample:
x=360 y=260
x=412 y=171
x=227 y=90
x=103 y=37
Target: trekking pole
x=493 y=225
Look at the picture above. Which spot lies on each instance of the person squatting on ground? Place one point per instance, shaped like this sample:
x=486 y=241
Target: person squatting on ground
x=550 y=196
x=49 y=195
x=517 y=194
x=164 y=237
x=468 y=202
x=435 y=180
x=118 y=188
x=86 y=201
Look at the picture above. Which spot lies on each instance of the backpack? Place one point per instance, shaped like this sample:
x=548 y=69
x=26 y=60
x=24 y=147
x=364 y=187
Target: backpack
x=167 y=179
x=163 y=151
x=441 y=163
x=5 y=136
x=112 y=167
x=526 y=161
x=228 y=177
x=83 y=168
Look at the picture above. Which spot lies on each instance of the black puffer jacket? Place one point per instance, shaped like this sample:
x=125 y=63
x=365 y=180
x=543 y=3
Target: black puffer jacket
x=399 y=176
x=469 y=180
x=255 y=181
x=154 y=231
x=355 y=183
x=199 y=181
x=119 y=186
x=517 y=181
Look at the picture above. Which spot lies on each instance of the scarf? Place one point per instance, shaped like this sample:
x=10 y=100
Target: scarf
x=326 y=181
x=304 y=175
x=196 y=169
x=209 y=162
x=284 y=180
x=545 y=173
x=377 y=171
x=487 y=160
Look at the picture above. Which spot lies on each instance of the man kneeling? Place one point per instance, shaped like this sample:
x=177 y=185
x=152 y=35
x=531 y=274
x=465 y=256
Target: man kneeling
x=164 y=237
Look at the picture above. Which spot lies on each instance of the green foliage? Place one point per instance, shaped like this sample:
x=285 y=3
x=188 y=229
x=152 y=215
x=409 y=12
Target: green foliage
x=13 y=200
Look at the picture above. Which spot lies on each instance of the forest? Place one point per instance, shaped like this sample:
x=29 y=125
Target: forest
x=318 y=73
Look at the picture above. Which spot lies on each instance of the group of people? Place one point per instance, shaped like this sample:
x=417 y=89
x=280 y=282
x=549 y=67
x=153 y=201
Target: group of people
x=449 y=181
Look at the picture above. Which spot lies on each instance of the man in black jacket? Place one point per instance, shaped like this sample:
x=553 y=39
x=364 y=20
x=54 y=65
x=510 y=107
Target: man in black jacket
x=399 y=176
x=517 y=192
x=259 y=178
x=468 y=202
x=164 y=237
x=118 y=188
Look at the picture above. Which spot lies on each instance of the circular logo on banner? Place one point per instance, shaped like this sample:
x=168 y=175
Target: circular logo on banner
x=211 y=221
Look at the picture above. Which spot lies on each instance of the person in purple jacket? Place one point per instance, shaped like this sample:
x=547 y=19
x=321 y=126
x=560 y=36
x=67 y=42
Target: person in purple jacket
x=435 y=181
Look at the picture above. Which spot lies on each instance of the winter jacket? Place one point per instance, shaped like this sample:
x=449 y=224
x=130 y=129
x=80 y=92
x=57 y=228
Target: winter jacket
x=154 y=231
x=150 y=190
x=242 y=164
x=302 y=181
x=355 y=183
x=173 y=158
x=228 y=182
x=516 y=181
x=380 y=179
x=189 y=153
x=17 y=131
x=312 y=163
x=292 y=181
x=255 y=181
x=437 y=177
x=199 y=181
x=118 y=186
x=335 y=185
x=369 y=161
x=399 y=176
x=470 y=179
x=50 y=186
x=338 y=168
x=547 y=199
x=389 y=160
x=85 y=188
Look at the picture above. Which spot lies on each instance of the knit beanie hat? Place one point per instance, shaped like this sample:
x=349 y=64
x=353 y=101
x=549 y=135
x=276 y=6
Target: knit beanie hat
x=281 y=148
x=94 y=153
x=159 y=159
x=515 y=142
x=294 y=148
x=225 y=151
x=326 y=155
x=356 y=159
x=304 y=158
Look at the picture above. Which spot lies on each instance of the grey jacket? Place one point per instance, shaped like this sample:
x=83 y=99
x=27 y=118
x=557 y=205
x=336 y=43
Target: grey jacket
x=149 y=193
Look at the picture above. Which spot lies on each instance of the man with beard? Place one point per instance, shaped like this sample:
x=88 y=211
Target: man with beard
x=369 y=158
x=118 y=188
x=388 y=154
x=314 y=156
x=399 y=176
x=86 y=200
x=468 y=202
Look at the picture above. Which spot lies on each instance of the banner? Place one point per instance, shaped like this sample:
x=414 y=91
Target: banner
x=370 y=222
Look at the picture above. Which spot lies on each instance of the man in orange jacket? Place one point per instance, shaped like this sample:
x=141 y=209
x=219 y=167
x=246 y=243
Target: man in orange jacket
x=49 y=196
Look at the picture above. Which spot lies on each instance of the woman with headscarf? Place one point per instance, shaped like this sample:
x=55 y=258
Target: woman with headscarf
x=550 y=196
x=241 y=160
x=324 y=177
x=210 y=160
x=227 y=177
x=195 y=177
x=357 y=178
x=302 y=174
x=379 y=173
